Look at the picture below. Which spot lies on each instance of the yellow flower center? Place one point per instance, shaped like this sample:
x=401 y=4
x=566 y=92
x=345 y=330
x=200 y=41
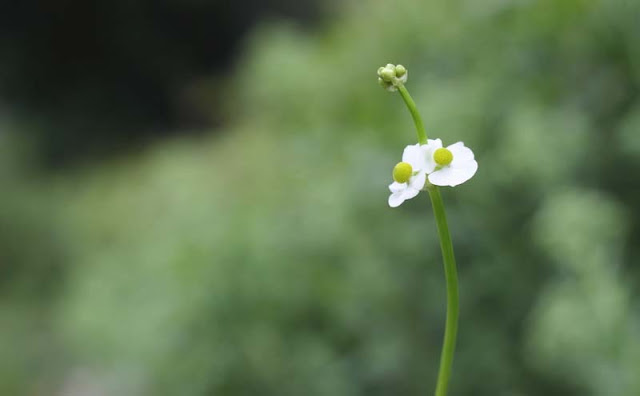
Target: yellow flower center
x=443 y=156
x=402 y=172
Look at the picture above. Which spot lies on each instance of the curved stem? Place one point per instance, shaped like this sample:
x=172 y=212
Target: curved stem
x=450 y=271
x=411 y=105
x=451 y=275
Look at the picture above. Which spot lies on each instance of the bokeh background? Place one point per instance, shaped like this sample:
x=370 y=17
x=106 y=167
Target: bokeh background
x=193 y=197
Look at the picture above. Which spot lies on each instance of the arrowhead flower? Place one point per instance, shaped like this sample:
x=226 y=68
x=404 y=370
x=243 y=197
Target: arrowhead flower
x=442 y=166
x=410 y=175
x=450 y=166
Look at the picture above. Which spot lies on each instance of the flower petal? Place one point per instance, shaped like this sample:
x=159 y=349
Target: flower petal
x=410 y=193
x=453 y=176
x=396 y=187
x=431 y=146
x=461 y=153
x=396 y=199
x=403 y=191
x=417 y=182
x=416 y=156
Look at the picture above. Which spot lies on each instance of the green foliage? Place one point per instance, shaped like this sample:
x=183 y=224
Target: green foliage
x=268 y=263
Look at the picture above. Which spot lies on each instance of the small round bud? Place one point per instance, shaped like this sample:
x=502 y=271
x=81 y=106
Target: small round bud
x=442 y=156
x=401 y=70
x=380 y=69
x=388 y=74
x=390 y=66
x=402 y=172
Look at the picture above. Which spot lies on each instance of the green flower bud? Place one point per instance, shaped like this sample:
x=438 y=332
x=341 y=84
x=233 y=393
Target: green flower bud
x=392 y=76
x=388 y=74
x=402 y=172
x=443 y=156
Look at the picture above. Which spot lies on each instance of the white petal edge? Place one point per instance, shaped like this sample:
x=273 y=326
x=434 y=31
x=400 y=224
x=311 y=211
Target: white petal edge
x=416 y=156
x=396 y=187
x=396 y=199
x=450 y=176
x=460 y=153
x=410 y=193
x=403 y=191
x=417 y=182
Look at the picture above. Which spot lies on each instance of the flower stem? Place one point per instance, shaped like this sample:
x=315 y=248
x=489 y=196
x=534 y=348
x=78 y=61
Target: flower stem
x=411 y=105
x=450 y=271
x=451 y=275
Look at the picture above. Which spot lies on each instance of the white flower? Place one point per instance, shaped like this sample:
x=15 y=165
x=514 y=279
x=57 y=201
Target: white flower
x=409 y=175
x=449 y=166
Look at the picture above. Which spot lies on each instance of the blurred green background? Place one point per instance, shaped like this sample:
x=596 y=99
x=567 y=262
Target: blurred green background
x=246 y=248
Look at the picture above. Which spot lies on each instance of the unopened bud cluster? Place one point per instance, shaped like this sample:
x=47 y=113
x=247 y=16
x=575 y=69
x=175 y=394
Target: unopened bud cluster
x=391 y=76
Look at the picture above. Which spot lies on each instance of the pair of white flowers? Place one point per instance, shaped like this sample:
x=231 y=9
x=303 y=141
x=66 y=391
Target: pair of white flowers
x=448 y=166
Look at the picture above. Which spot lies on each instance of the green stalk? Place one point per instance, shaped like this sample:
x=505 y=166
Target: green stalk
x=450 y=272
x=411 y=105
x=451 y=276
